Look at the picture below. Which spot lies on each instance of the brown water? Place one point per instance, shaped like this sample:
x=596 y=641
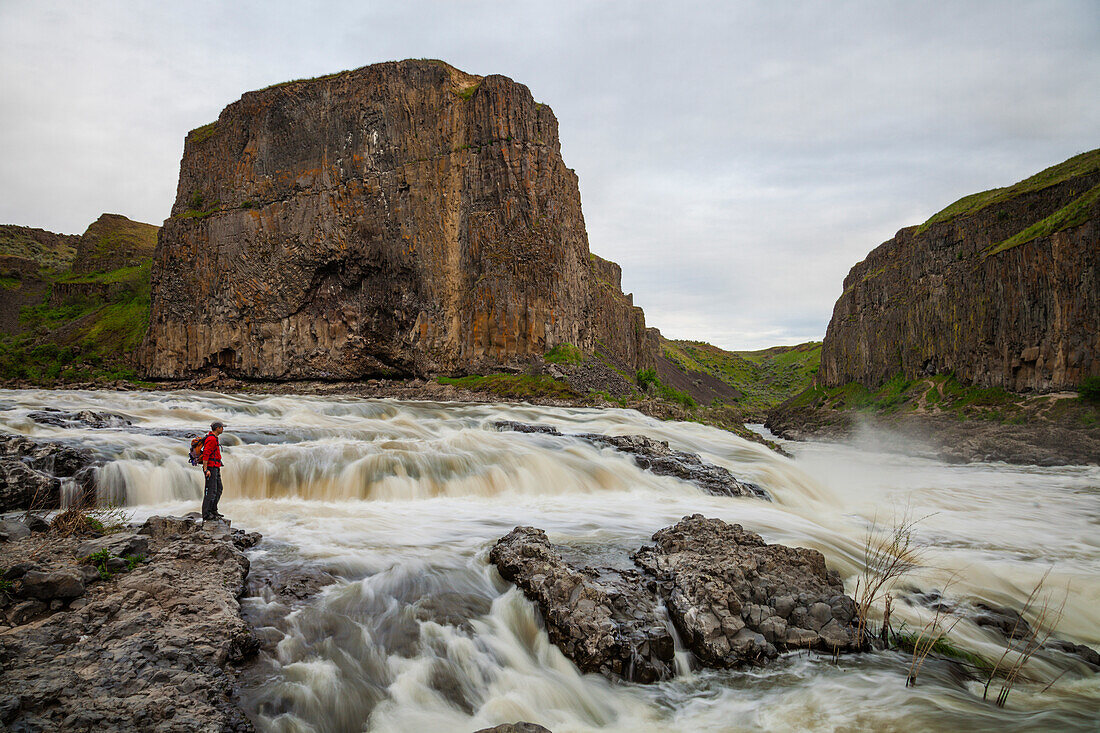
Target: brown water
x=402 y=501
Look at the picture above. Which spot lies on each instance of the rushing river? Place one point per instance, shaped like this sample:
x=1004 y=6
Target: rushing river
x=401 y=501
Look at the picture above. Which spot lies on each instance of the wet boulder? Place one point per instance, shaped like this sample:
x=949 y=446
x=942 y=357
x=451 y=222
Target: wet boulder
x=81 y=419
x=737 y=600
x=605 y=620
x=31 y=472
x=658 y=458
x=158 y=527
x=1006 y=620
x=22 y=487
x=520 y=727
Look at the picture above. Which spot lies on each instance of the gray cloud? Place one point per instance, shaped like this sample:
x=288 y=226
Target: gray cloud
x=735 y=159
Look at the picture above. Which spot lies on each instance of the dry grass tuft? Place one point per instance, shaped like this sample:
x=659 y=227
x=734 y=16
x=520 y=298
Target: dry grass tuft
x=1009 y=666
x=888 y=555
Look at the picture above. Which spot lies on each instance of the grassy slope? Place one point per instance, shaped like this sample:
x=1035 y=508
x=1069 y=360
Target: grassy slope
x=50 y=256
x=110 y=235
x=89 y=336
x=765 y=378
x=1078 y=165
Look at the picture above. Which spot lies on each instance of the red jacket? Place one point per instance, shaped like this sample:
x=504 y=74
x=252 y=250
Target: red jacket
x=212 y=451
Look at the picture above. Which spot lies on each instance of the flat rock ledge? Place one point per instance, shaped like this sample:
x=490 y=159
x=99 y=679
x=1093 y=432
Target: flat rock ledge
x=656 y=457
x=733 y=599
x=149 y=640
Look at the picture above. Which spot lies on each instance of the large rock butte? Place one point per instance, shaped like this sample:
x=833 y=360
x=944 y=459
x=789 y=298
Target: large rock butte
x=399 y=219
x=1002 y=288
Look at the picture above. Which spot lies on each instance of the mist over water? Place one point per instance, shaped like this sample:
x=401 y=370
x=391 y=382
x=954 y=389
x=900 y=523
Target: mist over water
x=402 y=501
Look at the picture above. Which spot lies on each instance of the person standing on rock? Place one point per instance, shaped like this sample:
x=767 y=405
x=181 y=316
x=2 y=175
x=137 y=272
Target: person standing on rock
x=212 y=468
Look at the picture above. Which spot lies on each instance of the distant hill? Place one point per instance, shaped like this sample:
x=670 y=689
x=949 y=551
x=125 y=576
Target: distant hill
x=756 y=380
x=74 y=308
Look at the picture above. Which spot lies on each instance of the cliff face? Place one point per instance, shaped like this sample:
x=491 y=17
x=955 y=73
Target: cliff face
x=403 y=218
x=1002 y=288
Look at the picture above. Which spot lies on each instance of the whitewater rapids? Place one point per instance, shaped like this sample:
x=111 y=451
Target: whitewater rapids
x=401 y=501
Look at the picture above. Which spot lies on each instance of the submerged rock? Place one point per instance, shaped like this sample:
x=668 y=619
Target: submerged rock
x=658 y=458
x=520 y=727
x=734 y=599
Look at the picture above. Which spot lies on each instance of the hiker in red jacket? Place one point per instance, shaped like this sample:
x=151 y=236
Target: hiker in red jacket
x=212 y=467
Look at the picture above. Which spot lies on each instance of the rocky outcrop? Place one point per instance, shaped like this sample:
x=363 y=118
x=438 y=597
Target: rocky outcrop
x=657 y=458
x=108 y=257
x=1002 y=288
x=400 y=219
x=79 y=419
x=734 y=599
x=150 y=644
x=31 y=473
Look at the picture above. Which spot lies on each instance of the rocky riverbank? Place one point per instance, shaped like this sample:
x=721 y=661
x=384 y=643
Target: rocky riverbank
x=137 y=629
x=1043 y=430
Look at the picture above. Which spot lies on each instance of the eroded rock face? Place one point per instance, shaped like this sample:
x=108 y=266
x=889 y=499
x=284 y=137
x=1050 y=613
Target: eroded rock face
x=941 y=300
x=734 y=599
x=399 y=219
x=656 y=457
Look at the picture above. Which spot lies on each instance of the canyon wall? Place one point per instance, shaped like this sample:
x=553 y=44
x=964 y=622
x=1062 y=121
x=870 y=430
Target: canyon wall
x=1002 y=288
x=400 y=219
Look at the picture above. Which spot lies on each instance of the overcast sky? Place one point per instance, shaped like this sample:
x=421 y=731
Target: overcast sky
x=735 y=158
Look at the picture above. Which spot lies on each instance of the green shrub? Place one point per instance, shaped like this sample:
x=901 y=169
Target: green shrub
x=99 y=560
x=646 y=377
x=564 y=354
x=1089 y=389
x=132 y=561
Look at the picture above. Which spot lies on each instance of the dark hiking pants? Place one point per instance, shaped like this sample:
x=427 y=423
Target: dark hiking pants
x=213 y=493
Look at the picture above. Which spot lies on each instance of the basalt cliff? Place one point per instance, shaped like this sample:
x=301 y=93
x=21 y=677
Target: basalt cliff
x=1002 y=289
x=400 y=219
